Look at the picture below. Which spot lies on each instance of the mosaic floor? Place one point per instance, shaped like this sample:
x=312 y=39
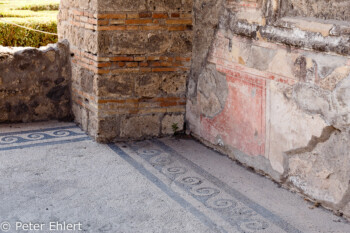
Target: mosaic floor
x=53 y=174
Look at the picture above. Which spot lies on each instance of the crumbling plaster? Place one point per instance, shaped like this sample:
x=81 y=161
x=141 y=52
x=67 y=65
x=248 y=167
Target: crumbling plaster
x=268 y=83
x=284 y=109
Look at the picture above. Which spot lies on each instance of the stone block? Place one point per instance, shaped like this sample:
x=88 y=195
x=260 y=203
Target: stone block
x=173 y=83
x=119 y=5
x=116 y=86
x=181 y=43
x=93 y=124
x=137 y=127
x=109 y=129
x=77 y=113
x=338 y=10
x=134 y=42
x=148 y=85
x=164 y=5
x=90 y=41
x=172 y=124
x=85 y=121
x=87 y=80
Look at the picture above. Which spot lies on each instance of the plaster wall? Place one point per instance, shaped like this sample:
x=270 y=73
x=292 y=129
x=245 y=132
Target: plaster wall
x=269 y=86
x=263 y=81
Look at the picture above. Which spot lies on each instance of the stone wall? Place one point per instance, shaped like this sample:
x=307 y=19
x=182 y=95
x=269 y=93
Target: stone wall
x=130 y=65
x=264 y=81
x=269 y=86
x=34 y=83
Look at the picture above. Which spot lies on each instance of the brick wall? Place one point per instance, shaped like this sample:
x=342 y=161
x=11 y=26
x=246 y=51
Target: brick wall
x=130 y=65
x=263 y=81
x=83 y=40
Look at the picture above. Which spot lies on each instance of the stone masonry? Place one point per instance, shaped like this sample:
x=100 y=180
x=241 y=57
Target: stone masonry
x=131 y=61
x=266 y=82
x=35 y=83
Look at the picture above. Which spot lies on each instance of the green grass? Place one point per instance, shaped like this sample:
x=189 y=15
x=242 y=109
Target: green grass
x=36 y=14
x=47 y=7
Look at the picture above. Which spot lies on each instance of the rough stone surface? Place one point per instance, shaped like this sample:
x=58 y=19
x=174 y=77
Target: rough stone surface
x=130 y=60
x=265 y=82
x=323 y=9
x=172 y=124
x=285 y=69
x=291 y=127
x=140 y=126
x=212 y=91
x=322 y=170
x=35 y=83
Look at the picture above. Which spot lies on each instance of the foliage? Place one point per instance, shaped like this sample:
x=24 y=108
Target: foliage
x=36 y=14
x=14 y=36
x=175 y=127
x=48 y=7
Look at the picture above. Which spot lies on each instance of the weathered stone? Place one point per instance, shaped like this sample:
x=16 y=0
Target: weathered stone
x=172 y=124
x=332 y=106
x=90 y=41
x=109 y=129
x=51 y=55
x=35 y=83
x=56 y=93
x=311 y=26
x=213 y=91
x=206 y=16
x=341 y=101
x=289 y=127
x=331 y=81
x=260 y=57
x=312 y=99
x=281 y=64
x=129 y=58
x=251 y=16
x=87 y=80
x=269 y=82
x=173 y=84
x=288 y=81
x=147 y=85
x=116 y=86
x=181 y=43
x=240 y=51
x=339 y=10
x=134 y=42
x=346 y=209
x=140 y=126
x=117 y=5
x=77 y=112
x=322 y=170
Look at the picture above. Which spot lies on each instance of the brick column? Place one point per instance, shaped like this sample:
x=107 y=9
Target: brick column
x=130 y=65
x=77 y=23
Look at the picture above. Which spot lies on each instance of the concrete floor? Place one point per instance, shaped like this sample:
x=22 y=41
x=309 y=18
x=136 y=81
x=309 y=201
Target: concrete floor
x=52 y=174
